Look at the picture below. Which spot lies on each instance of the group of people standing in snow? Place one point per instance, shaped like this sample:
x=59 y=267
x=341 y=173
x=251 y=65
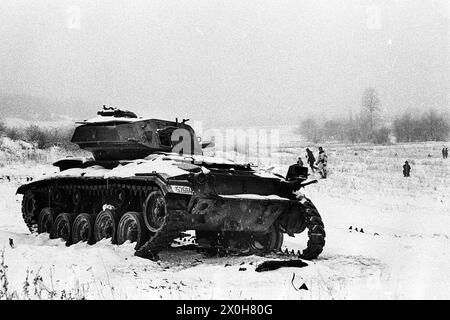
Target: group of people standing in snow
x=299 y=170
x=320 y=164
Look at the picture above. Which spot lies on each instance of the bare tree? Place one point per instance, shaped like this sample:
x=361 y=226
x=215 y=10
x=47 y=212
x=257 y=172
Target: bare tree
x=371 y=104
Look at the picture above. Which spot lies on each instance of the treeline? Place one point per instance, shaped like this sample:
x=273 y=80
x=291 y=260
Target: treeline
x=41 y=137
x=428 y=126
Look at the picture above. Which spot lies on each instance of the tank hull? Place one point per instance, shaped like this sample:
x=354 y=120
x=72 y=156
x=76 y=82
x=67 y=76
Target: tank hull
x=197 y=196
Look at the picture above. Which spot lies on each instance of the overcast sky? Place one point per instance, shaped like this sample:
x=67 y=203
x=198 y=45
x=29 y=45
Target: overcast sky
x=224 y=61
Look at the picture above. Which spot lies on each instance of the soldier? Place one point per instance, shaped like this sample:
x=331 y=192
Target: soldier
x=297 y=171
x=406 y=169
x=311 y=159
x=443 y=153
x=322 y=160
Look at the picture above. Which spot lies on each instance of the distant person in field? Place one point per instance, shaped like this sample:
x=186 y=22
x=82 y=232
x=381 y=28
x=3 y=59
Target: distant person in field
x=445 y=153
x=406 y=169
x=311 y=159
x=322 y=160
x=297 y=171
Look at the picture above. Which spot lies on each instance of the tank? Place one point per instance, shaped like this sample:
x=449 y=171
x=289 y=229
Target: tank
x=148 y=182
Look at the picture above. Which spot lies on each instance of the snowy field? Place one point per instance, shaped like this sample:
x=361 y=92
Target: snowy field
x=403 y=253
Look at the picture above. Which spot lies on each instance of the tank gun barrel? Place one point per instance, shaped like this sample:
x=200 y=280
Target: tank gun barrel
x=298 y=184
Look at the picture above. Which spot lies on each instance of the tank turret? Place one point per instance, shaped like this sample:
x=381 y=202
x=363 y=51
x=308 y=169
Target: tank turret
x=120 y=135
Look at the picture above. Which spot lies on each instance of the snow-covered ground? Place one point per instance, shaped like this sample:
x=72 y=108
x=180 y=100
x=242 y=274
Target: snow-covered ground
x=404 y=251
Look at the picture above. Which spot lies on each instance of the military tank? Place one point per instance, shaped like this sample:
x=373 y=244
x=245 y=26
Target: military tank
x=148 y=182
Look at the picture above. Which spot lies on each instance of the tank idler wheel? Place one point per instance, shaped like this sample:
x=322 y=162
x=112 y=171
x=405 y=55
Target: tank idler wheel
x=62 y=227
x=270 y=241
x=155 y=211
x=45 y=220
x=83 y=228
x=132 y=228
x=105 y=226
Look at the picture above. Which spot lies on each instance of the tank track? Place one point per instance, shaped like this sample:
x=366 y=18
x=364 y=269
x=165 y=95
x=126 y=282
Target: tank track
x=95 y=193
x=316 y=231
x=170 y=230
x=32 y=226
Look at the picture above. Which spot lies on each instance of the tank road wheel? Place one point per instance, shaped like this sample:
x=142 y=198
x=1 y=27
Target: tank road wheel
x=132 y=228
x=155 y=210
x=316 y=231
x=83 y=228
x=45 y=220
x=105 y=226
x=270 y=241
x=62 y=227
x=30 y=210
